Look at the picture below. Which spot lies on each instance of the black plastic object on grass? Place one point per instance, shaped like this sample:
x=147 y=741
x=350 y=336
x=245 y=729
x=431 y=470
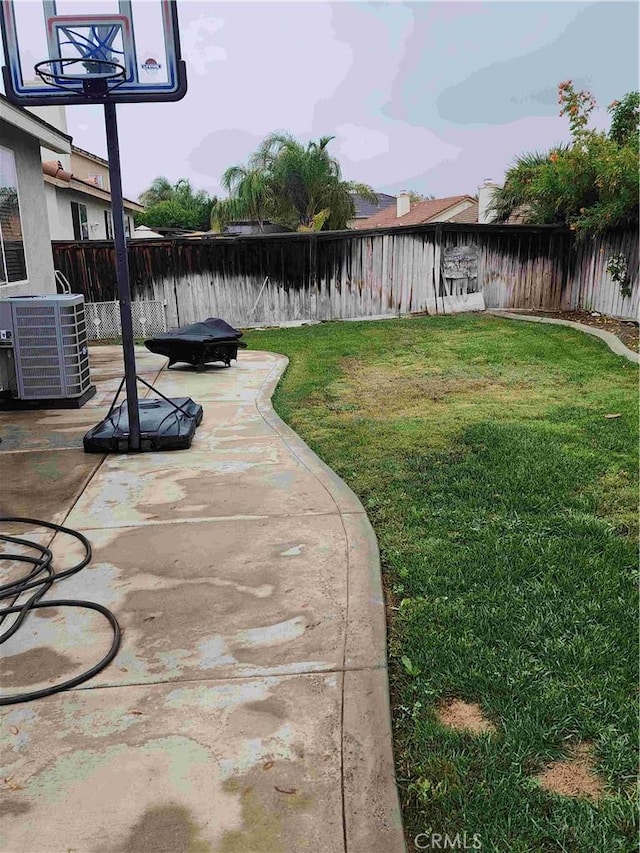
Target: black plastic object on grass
x=164 y=425
x=199 y=343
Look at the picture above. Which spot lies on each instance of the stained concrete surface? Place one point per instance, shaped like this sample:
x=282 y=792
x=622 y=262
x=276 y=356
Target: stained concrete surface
x=247 y=709
x=41 y=483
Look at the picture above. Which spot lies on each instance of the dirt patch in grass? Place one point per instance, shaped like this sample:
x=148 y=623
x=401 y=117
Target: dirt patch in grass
x=395 y=389
x=617 y=501
x=573 y=777
x=465 y=716
x=399 y=386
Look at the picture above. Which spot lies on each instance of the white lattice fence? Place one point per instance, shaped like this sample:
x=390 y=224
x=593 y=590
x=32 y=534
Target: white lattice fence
x=103 y=319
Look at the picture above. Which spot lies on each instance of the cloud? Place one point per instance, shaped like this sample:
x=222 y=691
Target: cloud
x=373 y=147
x=375 y=36
x=219 y=150
x=388 y=151
x=429 y=96
x=357 y=143
x=506 y=91
x=487 y=152
x=260 y=66
x=200 y=41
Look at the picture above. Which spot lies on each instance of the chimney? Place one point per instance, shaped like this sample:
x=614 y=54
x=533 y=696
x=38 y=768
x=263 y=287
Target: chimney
x=485 y=194
x=403 y=204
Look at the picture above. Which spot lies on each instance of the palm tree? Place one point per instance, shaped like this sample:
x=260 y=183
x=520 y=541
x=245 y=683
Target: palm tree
x=523 y=190
x=295 y=185
x=161 y=189
x=184 y=192
x=250 y=197
x=308 y=182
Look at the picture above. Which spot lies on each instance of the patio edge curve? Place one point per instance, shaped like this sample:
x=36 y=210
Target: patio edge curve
x=373 y=822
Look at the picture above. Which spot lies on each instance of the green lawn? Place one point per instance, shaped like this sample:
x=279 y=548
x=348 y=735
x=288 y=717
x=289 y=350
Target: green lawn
x=504 y=502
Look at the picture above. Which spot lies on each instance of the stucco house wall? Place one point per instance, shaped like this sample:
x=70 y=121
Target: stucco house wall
x=87 y=166
x=56 y=116
x=95 y=213
x=86 y=181
x=57 y=228
x=32 y=202
x=61 y=194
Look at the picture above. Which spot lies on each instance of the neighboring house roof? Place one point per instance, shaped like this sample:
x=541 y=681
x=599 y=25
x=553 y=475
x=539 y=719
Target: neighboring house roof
x=431 y=210
x=172 y=232
x=144 y=233
x=76 y=150
x=365 y=208
x=518 y=216
x=55 y=174
x=250 y=226
x=469 y=216
x=47 y=134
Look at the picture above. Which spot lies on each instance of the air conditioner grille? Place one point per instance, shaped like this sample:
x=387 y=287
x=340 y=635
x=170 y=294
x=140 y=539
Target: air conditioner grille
x=34 y=311
x=43 y=352
x=50 y=338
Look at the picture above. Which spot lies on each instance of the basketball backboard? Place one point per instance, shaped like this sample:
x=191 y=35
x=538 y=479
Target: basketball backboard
x=78 y=44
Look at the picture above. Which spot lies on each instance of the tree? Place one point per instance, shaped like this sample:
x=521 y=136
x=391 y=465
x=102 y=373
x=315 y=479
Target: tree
x=251 y=197
x=625 y=116
x=416 y=198
x=591 y=184
x=294 y=185
x=176 y=205
x=161 y=189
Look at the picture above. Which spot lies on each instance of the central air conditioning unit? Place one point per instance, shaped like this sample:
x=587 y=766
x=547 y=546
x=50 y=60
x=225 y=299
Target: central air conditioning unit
x=44 y=357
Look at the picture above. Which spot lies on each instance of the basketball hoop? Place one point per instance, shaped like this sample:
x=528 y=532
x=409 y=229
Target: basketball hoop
x=93 y=59
x=100 y=77
x=124 y=52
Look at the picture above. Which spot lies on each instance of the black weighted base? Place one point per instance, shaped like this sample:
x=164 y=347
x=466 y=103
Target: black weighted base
x=162 y=427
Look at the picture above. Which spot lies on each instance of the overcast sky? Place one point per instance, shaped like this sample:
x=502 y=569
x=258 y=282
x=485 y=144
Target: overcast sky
x=429 y=96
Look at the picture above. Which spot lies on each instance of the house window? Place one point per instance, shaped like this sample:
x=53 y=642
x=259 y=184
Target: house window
x=108 y=224
x=13 y=266
x=80 y=221
x=95 y=179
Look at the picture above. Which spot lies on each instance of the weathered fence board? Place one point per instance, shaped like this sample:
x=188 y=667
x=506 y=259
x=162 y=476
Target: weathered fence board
x=278 y=278
x=594 y=289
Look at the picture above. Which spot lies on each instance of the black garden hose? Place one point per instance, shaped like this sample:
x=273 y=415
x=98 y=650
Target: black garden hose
x=40 y=578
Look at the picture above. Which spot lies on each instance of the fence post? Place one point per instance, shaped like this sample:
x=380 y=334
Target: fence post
x=174 y=272
x=437 y=267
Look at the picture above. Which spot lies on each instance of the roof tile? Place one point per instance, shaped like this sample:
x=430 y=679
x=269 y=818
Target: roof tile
x=365 y=208
x=421 y=212
x=470 y=215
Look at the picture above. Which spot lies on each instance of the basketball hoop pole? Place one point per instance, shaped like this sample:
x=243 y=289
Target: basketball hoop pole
x=122 y=274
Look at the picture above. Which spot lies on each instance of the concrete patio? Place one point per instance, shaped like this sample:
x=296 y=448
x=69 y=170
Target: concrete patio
x=247 y=709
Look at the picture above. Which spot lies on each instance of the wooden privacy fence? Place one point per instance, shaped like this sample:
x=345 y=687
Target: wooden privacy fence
x=434 y=268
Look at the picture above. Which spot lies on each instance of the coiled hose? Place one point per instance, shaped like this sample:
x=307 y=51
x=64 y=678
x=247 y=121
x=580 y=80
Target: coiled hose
x=40 y=577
